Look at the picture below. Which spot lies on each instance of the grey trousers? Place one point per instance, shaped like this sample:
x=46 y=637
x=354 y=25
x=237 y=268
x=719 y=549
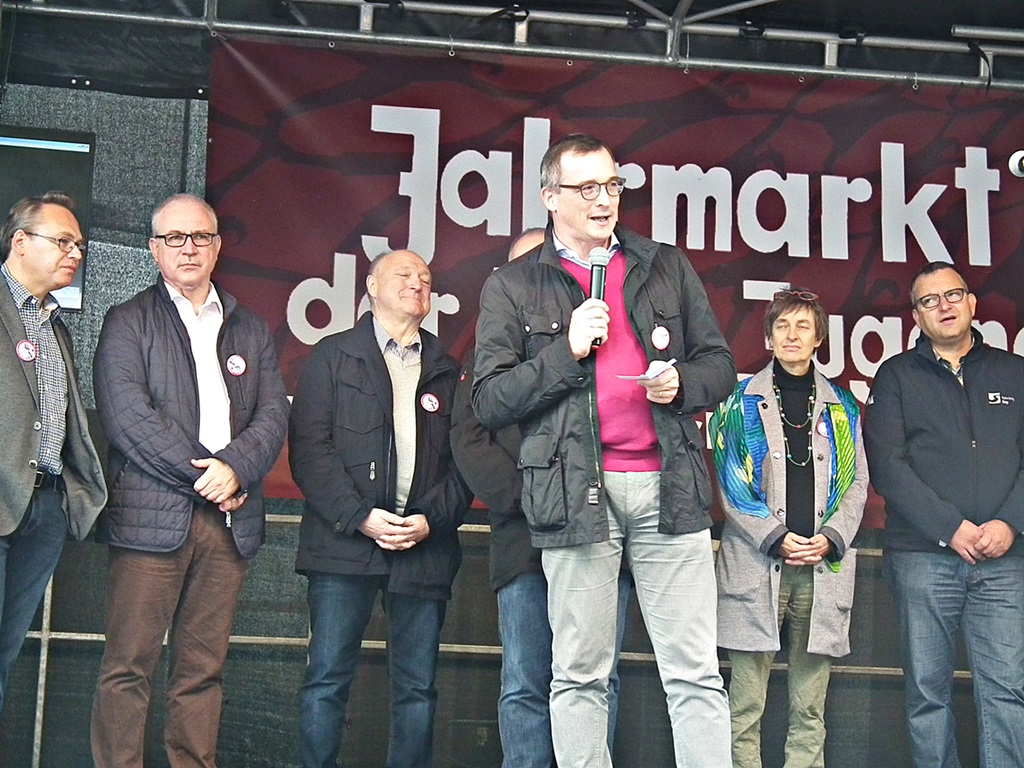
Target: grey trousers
x=675 y=585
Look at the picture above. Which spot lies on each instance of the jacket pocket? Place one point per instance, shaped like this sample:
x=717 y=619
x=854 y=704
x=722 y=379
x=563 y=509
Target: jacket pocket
x=743 y=574
x=844 y=581
x=701 y=475
x=358 y=440
x=545 y=502
x=541 y=330
x=669 y=315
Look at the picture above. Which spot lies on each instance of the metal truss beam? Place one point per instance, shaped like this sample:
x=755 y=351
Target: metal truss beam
x=675 y=30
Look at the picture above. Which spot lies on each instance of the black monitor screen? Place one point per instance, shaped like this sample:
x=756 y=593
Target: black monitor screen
x=35 y=160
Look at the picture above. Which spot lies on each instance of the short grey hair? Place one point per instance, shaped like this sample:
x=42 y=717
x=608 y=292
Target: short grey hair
x=181 y=197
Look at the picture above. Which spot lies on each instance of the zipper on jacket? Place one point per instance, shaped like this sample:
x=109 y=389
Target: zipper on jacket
x=390 y=490
x=373 y=471
x=969 y=410
x=594 y=486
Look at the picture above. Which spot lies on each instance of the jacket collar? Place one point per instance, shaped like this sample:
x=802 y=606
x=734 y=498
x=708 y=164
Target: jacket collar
x=635 y=248
x=362 y=342
x=923 y=347
x=228 y=302
x=760 y=384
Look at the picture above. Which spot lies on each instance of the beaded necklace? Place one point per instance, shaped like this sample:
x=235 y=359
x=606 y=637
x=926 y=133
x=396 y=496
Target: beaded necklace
x=806 y=423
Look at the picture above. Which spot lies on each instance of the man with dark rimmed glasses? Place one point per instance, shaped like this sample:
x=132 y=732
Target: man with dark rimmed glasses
x=944 y=433
x=605 y=391
x=51 y=482
x=189 y=393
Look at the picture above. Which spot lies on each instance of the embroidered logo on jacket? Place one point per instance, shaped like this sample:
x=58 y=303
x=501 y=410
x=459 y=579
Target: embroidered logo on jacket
x=997 y=398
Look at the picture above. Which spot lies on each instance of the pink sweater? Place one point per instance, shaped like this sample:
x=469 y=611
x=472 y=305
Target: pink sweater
x=628 y=440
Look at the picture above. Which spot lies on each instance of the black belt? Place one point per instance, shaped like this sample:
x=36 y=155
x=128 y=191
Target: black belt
x=45 y=481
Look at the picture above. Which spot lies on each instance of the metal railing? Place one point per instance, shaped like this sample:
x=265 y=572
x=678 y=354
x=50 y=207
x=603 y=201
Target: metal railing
x=46 y=636
x=982 y=45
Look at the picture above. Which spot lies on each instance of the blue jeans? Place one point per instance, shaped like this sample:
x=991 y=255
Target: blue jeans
x=936 y=595
x=27 y=559
x=339 y=610
x=524 y=721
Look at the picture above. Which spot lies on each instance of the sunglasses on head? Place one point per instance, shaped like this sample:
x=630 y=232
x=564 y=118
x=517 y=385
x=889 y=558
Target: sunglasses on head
x=802 y=295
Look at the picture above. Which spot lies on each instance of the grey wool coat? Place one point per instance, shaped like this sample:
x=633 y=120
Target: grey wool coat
x=748 y=579
x=86 y=492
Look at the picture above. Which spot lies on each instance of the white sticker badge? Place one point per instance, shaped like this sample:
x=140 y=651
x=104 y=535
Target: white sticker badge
x=26 y=350
x=660 y=337
x=236 y=365
x=430 y=403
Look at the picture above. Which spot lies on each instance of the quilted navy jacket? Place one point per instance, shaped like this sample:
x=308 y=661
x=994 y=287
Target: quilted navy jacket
x=145 y=383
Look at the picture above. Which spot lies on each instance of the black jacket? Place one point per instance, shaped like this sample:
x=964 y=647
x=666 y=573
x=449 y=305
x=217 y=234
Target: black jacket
x=940 y=452
x=144 y=377
x=488 y=461
x=525 y=373
x=342 y=456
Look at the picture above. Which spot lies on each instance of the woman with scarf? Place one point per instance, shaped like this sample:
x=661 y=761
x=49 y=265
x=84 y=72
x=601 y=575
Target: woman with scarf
x=791 y=469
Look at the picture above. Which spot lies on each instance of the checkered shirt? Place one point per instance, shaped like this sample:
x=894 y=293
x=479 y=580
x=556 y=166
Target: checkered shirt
x=51 y=375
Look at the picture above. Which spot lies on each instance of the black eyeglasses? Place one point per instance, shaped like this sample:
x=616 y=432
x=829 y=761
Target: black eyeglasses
x=66 y=244
x=591 y=189
x=177 y=239
x=802 y=295
x=932 y=300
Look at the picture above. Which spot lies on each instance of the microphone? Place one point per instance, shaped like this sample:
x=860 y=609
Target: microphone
x=599 y=258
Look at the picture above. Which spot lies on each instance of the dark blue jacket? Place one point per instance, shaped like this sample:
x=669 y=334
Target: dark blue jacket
x=489 y=462
x=940 y=452
x=342 y=452
x=145 y=382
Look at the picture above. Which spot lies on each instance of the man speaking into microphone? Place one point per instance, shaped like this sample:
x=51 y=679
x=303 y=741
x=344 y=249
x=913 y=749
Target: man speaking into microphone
x=599 y=259
x=605 y=388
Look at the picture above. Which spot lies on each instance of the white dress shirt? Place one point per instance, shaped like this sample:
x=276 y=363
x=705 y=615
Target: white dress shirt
x=203 y=329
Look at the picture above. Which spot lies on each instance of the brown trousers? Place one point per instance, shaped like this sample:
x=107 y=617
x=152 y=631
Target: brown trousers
x=192 y=591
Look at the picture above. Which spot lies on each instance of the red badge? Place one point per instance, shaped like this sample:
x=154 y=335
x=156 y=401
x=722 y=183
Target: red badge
x=660 y=337
x=430 y=403
x=236 y=365
x=26 y=350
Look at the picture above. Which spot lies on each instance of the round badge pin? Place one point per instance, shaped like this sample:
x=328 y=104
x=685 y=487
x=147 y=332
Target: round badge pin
x=660 y=337
x=26 y=350
x=430 y=403
x=236 y=365
x=822 y=428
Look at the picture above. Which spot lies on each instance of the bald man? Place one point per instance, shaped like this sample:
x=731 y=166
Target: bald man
x=369 y=450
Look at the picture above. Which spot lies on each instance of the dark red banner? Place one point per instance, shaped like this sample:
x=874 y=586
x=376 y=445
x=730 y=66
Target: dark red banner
x=322 y=158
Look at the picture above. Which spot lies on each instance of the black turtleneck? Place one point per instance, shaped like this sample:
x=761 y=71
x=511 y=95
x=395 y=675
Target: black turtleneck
x=794 y=392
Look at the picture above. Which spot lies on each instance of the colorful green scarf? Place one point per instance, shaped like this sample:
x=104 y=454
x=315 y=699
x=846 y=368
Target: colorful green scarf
x=739 y=447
